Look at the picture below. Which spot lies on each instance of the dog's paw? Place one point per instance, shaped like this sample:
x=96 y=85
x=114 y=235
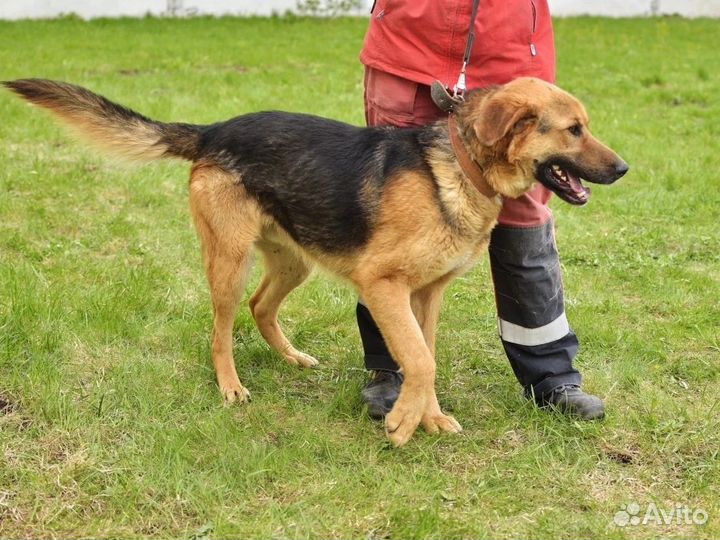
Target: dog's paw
x=297 y=358
x=436 y=422
x=401 y=423
x=235 y=393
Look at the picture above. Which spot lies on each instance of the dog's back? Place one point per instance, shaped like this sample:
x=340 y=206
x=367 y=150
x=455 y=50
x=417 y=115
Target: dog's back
x=320 y=179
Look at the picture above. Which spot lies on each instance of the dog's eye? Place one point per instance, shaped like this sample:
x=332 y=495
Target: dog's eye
x=576 y=130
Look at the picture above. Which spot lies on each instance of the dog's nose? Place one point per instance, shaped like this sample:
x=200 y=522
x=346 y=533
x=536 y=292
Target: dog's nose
x=620 y=169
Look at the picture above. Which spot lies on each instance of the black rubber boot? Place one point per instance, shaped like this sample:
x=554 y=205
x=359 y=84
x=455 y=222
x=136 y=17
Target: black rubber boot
x=569 y=399
x=381 y=393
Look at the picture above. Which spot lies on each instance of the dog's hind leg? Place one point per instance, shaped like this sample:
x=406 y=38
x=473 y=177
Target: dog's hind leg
x=227 y=275
x=283 y=270
x=227 y=226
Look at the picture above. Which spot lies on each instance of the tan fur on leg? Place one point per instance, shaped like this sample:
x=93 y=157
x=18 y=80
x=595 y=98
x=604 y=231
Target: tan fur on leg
x=284 y=270
x=227 y=226
x=389 y=304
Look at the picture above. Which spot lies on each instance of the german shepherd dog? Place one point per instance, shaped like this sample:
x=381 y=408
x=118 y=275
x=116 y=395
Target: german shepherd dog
x=396 y=212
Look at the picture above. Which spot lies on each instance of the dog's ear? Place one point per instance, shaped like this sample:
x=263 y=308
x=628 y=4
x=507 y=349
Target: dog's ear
x=500 y=116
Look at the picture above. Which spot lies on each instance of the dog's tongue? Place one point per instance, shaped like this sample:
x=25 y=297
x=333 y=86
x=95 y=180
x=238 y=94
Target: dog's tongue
x=575 y=184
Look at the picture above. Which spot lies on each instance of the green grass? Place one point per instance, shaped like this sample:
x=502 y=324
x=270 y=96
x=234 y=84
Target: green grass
x=110 y=421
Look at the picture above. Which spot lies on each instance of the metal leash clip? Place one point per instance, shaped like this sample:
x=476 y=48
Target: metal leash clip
x=460 y=86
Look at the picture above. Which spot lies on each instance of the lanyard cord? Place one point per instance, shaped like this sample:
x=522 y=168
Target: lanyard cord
x=460 y=86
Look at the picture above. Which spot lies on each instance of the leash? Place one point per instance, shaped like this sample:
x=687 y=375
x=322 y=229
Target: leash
x=438 y=92
x=459 y=89
x=448 y=103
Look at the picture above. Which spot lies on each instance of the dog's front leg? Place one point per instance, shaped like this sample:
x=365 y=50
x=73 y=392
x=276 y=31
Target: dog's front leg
x=426 y=304
x=389 y=304
x=426 y=307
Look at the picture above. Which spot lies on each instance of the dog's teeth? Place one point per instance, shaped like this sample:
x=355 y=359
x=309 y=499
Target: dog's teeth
x=560 y=173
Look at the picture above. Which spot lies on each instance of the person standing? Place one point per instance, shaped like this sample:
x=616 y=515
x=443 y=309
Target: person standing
x=408 y=45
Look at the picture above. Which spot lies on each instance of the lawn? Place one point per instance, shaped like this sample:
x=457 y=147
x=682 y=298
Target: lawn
x=111 y=424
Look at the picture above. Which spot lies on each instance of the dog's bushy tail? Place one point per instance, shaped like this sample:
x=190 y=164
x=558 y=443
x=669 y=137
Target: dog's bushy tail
x=111 y=126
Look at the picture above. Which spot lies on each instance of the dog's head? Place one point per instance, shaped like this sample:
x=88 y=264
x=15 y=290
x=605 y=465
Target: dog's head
x=529 y=130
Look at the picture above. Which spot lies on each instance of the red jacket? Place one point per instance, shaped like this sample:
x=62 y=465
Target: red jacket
x=424 y=40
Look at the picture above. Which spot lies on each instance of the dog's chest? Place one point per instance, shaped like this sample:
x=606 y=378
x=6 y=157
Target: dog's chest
x=467 y=235
x=467 y=258
x=462 y=262
x=456 y=255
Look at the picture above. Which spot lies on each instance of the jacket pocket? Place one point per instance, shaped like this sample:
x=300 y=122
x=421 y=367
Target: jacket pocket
x=389 y=99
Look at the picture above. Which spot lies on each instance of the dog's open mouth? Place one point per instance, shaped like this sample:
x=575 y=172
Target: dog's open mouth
x=564 y=182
